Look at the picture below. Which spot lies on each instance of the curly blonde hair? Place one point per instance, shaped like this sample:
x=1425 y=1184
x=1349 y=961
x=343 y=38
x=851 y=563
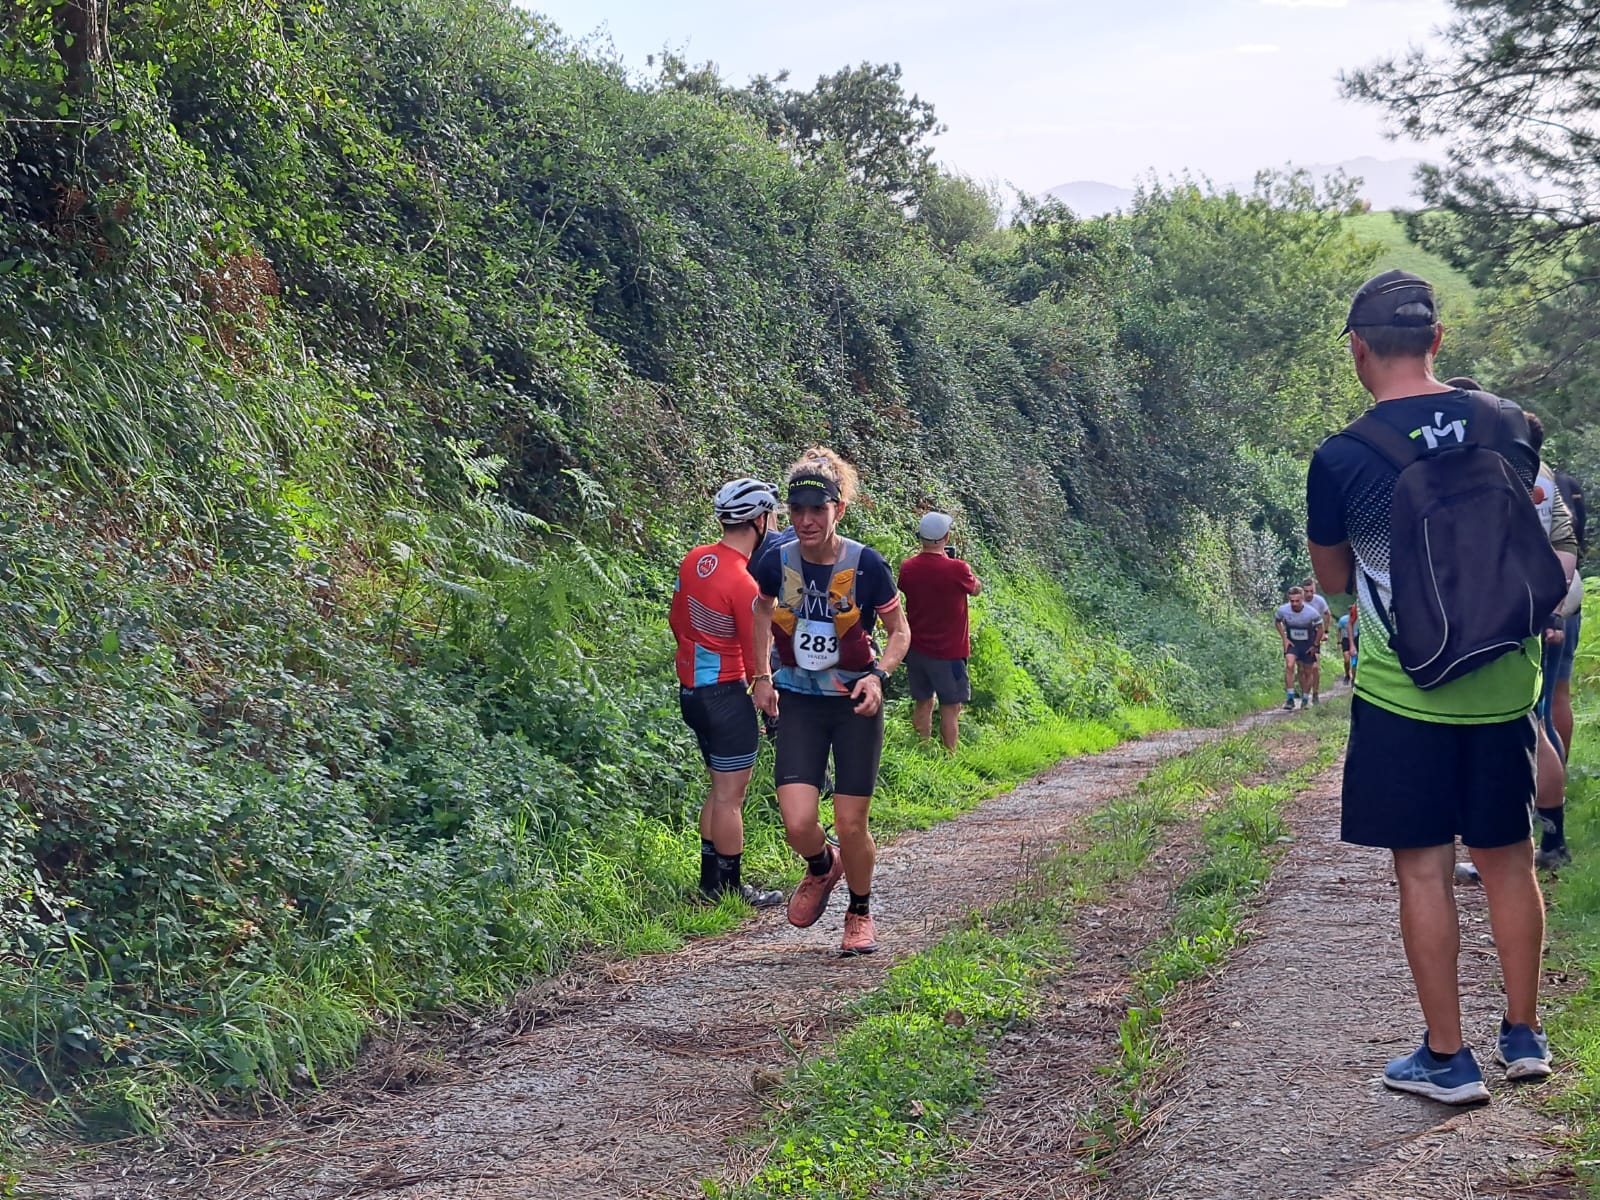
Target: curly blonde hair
x=819 y=460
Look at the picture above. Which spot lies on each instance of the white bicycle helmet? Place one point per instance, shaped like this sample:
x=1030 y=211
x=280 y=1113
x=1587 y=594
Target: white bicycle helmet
x=744 y=500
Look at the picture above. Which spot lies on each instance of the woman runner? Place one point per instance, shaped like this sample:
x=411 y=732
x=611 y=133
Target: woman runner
x=820 y=598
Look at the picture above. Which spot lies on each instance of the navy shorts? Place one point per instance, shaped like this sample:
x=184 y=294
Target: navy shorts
x=724 y=723
x=946 y=678
x=1559 y=659
x=1410 y=784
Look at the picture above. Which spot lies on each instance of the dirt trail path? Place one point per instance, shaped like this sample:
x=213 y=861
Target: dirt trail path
x=633 y=1088
x=1281 y=1097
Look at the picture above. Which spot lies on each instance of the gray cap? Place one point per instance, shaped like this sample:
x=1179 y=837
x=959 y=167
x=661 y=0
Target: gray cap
x=934 y=526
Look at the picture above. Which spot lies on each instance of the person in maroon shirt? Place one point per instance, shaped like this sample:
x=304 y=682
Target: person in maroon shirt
x=936 y=584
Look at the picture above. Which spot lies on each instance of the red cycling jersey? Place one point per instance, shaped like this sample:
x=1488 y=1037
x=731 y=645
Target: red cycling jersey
x=713 y=616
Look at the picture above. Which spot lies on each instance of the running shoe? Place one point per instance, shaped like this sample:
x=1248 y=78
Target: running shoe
x=1523 y=1051
x=1453 y=1080
x=1467 y=873
x=760 y=897
x=1289 y=703
x=1549 y=860
x=810 y=899
x=860 y=935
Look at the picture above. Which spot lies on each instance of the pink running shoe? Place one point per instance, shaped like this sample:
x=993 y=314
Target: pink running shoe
x=810 y=899
x=860 y=935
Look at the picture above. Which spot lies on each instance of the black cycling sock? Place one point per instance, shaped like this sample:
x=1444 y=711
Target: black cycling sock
x=820 y=864
x=708 y=866
x=1555 y=833
x=858 y=903
x=728 y=871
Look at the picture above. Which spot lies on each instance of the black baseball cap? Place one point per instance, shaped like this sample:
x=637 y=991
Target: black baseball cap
x=812 y=491
x=1379 y=300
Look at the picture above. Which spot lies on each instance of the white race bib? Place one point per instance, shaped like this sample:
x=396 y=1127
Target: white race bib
x=1299 y=635
x=816 y=645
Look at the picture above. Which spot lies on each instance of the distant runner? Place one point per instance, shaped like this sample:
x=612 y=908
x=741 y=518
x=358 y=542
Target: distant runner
x=1347 y=643
x=1299 y=626
x=820 y=599
x=713 y=620
x=1309 y=587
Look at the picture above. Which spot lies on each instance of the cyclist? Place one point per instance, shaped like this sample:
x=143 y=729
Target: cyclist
x=713 y=620
x=821 y=597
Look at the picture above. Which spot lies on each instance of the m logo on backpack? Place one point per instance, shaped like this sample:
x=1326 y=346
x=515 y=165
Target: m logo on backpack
x=1471 y=572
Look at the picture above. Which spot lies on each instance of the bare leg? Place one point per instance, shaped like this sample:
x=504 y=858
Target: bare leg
x=1516 y=916
x=1432 y=936
x=1552 y=777
x=798 y=803
x=1561 y=712
x=949 y=725
x=1289 y=661
x=725 y=807
x=855 y=842
x=922 y=717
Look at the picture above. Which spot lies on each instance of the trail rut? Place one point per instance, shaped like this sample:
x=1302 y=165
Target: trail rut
x=632 y=1088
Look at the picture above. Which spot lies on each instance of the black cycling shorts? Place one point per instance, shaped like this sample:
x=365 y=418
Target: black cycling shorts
x=1304 y=652
x=811 y=726
x=1410 y=783
x=724 y=723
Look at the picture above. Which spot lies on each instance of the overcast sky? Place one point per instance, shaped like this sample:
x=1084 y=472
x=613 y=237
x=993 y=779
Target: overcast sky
x=1044 y=92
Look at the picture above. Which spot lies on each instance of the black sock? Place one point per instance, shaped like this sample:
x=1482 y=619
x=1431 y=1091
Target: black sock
x=708 y=866
x=819 y=864
x=729 y=872
x=1555 y=834
x=858 y=904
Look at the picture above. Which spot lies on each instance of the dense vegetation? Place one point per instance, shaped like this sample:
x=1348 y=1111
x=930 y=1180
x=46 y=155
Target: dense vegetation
x=1511 y=91
x=363 y=372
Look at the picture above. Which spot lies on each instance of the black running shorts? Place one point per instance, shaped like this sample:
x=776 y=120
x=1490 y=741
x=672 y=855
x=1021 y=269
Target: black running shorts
x=1304 y=652
x=724 y=723
x=946 y=678
x=1410 y=783
x=811 y=726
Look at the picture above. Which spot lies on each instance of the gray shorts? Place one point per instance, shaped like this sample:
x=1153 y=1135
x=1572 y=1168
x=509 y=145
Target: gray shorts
x=945 y=677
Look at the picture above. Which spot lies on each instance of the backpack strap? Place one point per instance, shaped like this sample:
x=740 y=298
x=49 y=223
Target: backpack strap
x=1485 y=421
x=1400 y=451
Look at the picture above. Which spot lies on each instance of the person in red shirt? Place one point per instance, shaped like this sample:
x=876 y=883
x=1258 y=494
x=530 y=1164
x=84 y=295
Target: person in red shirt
x=713 y=607
x=936 y=585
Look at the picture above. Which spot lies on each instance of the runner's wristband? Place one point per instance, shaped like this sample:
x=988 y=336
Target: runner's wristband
x=883 y=676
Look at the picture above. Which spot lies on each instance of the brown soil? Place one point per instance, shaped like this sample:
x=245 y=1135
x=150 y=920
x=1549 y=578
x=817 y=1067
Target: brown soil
x=1276 y=1091
x=629 y=1081
x=1281 y=1096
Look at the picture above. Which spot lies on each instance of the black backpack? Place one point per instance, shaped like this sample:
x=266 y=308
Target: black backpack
x=1471 y=571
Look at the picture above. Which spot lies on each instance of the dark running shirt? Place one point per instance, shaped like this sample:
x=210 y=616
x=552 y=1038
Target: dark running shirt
x=1349 y=492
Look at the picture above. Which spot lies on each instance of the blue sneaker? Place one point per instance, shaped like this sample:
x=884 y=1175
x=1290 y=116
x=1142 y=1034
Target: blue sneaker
x=1453 y=1080
x=1523 y=1052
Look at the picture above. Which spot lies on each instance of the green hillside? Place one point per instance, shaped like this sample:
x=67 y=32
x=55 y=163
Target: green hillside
x=1397 y=252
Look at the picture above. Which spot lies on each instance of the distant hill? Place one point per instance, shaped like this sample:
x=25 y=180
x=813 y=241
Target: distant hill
x=1387 y=183
x=1385 y=228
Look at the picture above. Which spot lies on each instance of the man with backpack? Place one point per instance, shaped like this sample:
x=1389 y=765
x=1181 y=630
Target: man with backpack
x=1421 y=509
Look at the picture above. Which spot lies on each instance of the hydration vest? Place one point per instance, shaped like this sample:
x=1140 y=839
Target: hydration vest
x=808 y=643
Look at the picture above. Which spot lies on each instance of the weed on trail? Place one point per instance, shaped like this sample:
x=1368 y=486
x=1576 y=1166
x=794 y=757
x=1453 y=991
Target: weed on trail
x=1242 y=840
x=874 y=1116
